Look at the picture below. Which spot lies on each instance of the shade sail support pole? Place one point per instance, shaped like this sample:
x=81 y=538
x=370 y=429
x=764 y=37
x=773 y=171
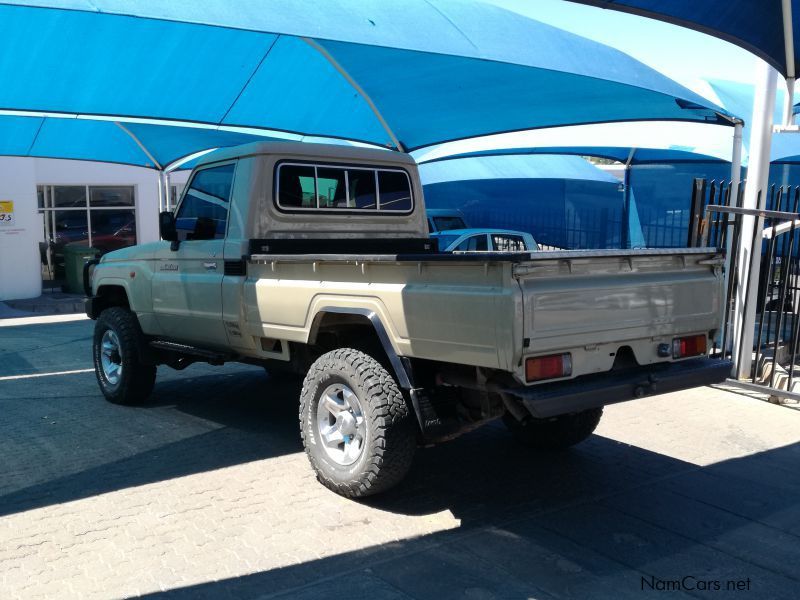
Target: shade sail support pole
x=788 y=42
x=163 y=180
x=736 y=160
x=755 y=197
x=162 y=196
x=335 y=64
x=788 y=104
x=625 y=241
x=736 y=181
x=142 y=147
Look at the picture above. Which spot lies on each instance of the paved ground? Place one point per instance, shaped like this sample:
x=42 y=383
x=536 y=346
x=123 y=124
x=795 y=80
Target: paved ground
x=205 y=493
x=51 y=302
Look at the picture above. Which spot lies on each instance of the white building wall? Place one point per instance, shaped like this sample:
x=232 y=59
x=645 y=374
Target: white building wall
x=20 y=271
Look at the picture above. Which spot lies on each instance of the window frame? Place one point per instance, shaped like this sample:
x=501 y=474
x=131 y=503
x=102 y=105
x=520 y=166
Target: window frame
x=188 y=185
x=469 y=236
x=517 y=236
x=340 y=211
x=48 y=212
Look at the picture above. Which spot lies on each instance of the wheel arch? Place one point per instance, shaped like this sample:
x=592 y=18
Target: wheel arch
x=328 y=316
x=109 y=293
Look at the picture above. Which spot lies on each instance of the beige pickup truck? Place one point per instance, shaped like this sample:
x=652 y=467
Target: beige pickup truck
x=317 y=259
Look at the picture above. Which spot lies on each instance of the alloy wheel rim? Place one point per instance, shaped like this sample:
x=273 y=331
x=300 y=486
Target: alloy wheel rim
x=341 y=424
x=110 y=357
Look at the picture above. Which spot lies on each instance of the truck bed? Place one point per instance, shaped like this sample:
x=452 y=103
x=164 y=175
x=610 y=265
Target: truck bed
x=492 y=310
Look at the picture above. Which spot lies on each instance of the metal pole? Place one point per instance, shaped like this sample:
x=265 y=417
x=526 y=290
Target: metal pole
x=788 y=42
x=168 y=192
x=750 y=246
x=788 y=103
x=733 y=196
x=736 y=160
x=626 y=209
x=625 y=240
x=162 y=198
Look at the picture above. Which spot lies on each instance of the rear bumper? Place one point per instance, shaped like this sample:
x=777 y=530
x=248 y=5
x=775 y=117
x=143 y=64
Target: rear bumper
x=592 y=391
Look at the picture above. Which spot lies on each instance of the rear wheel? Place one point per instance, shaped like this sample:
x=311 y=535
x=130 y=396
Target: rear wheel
x=357 y=429
x=122 y=376
x=555 y=433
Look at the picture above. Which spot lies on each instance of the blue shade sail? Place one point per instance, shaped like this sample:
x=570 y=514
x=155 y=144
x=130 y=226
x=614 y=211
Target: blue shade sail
x=755 y=25
x=401 y=74
x=512 y=167
x=617 y=153
x=81 y=139
x=785 y=149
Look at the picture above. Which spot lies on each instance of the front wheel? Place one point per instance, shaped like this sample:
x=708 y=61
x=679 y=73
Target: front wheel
x=123 y=377
x=358 y=431
x=555 y=433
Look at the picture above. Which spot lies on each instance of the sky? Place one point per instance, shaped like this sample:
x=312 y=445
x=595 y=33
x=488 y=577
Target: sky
x=684 y=55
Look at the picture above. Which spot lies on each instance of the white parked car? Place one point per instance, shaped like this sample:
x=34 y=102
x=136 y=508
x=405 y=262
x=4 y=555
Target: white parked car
x=485 y=240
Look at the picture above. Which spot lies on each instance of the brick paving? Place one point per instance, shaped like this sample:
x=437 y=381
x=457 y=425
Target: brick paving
x=205 y=493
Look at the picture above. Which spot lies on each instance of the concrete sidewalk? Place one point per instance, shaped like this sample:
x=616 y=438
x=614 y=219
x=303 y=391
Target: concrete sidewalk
x=49 y=303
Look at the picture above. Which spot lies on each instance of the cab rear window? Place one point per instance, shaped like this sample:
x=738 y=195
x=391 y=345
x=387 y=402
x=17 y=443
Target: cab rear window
x=330 y=188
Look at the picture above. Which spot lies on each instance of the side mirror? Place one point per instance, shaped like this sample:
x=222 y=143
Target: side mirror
x=166 y=227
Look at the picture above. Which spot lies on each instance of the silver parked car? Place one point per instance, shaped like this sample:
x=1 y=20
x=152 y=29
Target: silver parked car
x=485 y=240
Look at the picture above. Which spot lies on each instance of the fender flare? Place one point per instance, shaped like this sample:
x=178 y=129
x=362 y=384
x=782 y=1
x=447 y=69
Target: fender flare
x=403 y=373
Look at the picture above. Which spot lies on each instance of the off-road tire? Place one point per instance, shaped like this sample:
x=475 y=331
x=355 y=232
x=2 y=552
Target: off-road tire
x=390 y=440
x=556 y=433
x=137 y=378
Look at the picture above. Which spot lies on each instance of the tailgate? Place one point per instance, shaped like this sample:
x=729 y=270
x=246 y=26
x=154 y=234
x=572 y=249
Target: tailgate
x=585 y=298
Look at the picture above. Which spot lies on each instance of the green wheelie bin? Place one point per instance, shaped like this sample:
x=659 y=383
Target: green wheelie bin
x=76 y=255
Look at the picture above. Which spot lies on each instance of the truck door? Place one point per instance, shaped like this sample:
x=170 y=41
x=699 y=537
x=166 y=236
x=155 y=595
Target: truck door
x=187 y=282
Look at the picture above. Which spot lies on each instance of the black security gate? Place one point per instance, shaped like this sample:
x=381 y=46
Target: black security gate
x=716 y=221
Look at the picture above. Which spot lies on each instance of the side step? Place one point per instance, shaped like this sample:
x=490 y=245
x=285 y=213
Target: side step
x=209 y=356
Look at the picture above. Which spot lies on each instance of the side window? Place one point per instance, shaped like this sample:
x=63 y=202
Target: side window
x=203 y=213
x=475 y=243
x=508 y=243
x=394 y=190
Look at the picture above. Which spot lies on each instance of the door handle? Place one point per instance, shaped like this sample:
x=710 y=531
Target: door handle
x=210 y=266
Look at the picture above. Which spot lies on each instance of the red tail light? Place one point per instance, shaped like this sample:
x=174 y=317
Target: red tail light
x=548 y=367
x=693 y=345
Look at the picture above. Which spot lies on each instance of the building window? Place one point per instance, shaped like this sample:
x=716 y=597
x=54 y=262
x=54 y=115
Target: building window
x=103 y=217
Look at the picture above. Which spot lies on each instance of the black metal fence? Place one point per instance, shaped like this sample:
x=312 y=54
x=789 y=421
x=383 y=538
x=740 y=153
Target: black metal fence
x=716 y=221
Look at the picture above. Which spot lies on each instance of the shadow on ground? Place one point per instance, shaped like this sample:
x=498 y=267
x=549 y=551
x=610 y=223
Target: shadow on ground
x=191 y=425
x=590 y=522
x=603 y=521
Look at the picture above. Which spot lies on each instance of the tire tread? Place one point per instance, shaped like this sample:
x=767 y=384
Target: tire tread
x=138 y=378
x=391 y=421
